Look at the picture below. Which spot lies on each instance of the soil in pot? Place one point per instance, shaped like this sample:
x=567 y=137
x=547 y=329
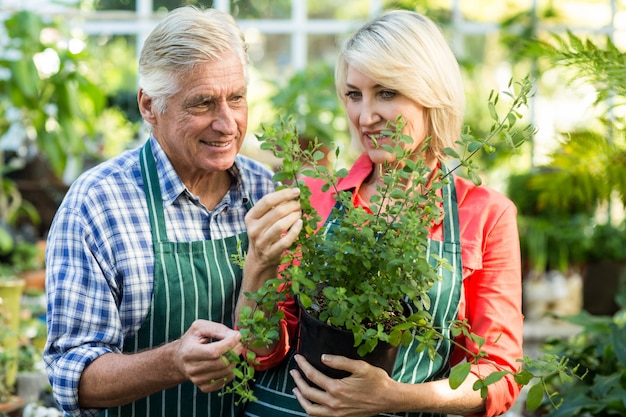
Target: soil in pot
x=316 y=338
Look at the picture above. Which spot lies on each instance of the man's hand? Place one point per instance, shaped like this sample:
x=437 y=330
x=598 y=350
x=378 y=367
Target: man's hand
x=201 y=351
x=273 y=224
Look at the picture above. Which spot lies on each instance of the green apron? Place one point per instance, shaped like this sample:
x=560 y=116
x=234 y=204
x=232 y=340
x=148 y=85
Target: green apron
x=192 y=280
x=274 y=386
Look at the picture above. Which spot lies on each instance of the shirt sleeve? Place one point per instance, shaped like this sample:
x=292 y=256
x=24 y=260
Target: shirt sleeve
x=492 y=297
x=82 y=318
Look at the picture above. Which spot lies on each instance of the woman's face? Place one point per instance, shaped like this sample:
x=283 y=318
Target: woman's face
x=370 y=106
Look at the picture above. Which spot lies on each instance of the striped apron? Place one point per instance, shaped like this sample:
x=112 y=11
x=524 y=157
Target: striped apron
x=274 y=386
x=192 y=280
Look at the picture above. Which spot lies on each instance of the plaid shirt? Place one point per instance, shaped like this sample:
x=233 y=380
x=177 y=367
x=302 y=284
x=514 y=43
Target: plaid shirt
x=100 y=259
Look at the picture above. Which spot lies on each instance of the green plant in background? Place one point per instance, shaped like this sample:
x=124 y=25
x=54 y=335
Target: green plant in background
x=551 y=237
x=28 y=356
x=587 y=174
x=607 y=242
x=7 y=357
x=309 y=96
x=590 y=167
x=47 y=100
x=12 y=206
x=600 y=349
x=10 y=294
x=561 y=202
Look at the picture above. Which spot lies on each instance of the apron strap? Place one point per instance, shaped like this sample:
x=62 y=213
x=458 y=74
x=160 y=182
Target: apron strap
x=153 y=193
x=451 y=233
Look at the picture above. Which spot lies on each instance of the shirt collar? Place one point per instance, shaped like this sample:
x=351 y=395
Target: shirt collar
x=361 y=169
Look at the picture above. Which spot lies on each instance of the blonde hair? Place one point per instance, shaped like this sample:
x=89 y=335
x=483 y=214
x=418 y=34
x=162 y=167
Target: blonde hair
x=186 y=37
x=407 y=52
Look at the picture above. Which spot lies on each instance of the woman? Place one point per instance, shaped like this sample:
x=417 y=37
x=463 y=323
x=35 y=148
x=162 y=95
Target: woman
x=400 y=65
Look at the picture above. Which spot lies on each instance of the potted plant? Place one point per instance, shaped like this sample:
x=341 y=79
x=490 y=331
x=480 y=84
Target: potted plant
x=31 y=379
x=357 y=279
x=10 y=293
x=606 y=263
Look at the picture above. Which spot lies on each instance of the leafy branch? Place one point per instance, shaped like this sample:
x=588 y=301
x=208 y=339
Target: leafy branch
x=503 y=128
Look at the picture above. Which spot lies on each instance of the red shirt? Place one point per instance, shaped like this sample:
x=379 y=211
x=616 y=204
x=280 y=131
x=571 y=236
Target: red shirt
x=492 y=283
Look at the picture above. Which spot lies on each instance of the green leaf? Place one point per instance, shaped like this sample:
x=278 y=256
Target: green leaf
x=619 y=343
x=395 y=338
x=308 y=172
x=492 y=111
x=534 y=397
x=452 y=153
x=26 y=77
x=342 y=173
x=523 y=377
x=318 y=155
x=281 y=176
x=458 y=374
x=495 y=377
x=305 y=300
x=474 y=146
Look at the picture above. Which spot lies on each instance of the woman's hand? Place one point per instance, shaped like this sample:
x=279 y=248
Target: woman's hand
x=370 y=391
x=364 y=393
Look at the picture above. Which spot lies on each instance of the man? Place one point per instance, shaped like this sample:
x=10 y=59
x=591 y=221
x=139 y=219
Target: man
x=141 y=287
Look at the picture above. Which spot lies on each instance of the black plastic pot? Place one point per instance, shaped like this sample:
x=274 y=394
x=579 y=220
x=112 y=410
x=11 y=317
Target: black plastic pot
x=316 y=338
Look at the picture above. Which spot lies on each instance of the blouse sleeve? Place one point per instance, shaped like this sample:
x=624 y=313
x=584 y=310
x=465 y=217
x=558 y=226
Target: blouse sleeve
x=492 y=300
x=288 y=328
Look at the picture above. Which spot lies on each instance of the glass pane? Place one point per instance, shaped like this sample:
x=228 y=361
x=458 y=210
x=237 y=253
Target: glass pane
x=486 y=11
x=269 y=54
x=323 y=48
x=341 y=10
x=162 y=5
x=116 y=60
x=261 y=9
x=585 y=13
x=116 y=5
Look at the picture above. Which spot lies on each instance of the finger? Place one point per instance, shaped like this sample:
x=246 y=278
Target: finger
x=312 y=375
x=218 y=348
x=310 y=398
x=271 y=200
x=270 y=228
x=279 y=227
x=342 y=363
x=211 y=330
x=310 y=408
x=303 y=386
x=216 y=338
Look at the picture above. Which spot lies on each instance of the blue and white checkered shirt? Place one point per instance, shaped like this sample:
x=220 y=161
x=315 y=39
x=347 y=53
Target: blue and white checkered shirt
x=100 y=258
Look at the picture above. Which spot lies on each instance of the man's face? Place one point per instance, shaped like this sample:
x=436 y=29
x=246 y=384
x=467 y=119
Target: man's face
x=204 y=124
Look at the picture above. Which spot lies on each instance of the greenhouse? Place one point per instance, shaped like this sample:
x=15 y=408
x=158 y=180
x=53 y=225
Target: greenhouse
x=84 y=104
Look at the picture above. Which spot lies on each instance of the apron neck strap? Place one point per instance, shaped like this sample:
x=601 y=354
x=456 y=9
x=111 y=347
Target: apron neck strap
x=153 y=193
x=450 y=220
